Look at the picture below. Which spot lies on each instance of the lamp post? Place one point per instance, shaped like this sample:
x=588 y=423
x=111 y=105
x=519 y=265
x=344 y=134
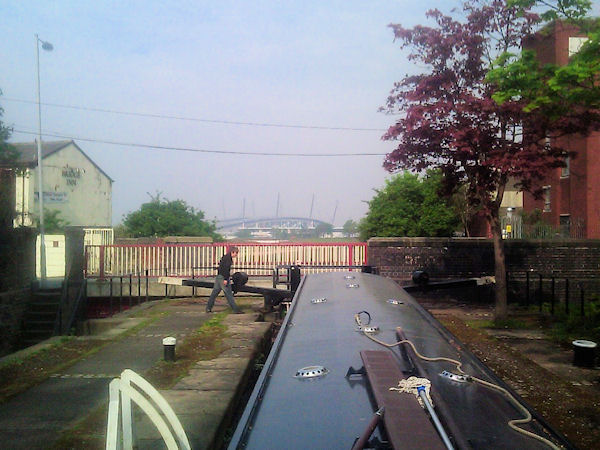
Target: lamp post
x=48 y=47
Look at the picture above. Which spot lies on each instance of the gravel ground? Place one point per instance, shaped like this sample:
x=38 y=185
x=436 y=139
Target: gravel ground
x=539 y=370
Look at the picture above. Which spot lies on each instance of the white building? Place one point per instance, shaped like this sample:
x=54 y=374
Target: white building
x=72 y=184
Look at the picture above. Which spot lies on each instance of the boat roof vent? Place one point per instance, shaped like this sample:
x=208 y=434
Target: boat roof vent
x=393 y=301
x=311 y=372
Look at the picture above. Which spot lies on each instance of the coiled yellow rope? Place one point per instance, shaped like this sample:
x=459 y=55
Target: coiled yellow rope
x=512 y=423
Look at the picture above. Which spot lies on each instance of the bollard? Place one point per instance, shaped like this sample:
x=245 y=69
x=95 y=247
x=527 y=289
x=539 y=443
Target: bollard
x=420 y=277
x=294 y=277
x=169 y=348
x=584 y=353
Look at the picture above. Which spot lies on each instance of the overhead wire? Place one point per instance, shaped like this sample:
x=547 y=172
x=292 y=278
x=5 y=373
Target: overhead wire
x=197 y=119
x=192 y=149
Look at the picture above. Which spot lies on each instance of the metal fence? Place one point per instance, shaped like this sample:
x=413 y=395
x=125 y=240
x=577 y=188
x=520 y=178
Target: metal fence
x=201 y=260
x=514 y=228
x=557 y=294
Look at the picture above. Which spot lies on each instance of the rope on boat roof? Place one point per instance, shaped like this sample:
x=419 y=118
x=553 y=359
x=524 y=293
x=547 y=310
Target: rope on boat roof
x=511 y=423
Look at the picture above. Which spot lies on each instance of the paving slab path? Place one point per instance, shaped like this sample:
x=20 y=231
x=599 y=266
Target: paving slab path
x=35 y=418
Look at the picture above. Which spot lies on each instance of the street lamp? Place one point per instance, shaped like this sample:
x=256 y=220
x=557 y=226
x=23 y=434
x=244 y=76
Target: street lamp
x=48 y=47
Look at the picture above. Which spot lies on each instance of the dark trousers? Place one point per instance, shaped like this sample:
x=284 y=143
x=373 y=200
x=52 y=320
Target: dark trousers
x=220 y=286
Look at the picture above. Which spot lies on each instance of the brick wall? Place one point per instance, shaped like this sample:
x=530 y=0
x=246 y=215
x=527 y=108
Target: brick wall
x=397 y=258
x=17 y=272
x=13 y=305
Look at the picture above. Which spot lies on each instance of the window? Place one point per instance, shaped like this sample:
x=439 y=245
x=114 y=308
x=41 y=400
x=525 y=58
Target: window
x=565 y=171
x=575 y=44
x=547 y=198
x=565 y=225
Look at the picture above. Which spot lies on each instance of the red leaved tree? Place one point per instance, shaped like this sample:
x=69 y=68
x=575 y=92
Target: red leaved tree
x=448 y=119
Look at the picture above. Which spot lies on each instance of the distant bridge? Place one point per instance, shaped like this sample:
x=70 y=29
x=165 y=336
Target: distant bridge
x=269 y=223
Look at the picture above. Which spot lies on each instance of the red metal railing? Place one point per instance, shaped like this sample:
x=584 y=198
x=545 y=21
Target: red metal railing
x=200 y=260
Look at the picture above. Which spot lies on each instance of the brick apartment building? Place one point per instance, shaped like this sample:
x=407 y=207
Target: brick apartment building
x=571 y=200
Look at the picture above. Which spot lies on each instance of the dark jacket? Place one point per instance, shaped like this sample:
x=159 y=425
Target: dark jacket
x=225 y=266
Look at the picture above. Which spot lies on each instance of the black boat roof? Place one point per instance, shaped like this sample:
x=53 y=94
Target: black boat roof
x=291 y=407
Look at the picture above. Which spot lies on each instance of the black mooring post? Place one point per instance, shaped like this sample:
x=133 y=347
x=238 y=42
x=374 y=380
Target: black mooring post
x=295 y=276
x=193 y=287
x=567 y=296
x=130 y=294
x=527 y=289
x=121 y=293
x=582 y=300
x=552 y=299
x=111 y=296
x=540 y=299
x=166 y=285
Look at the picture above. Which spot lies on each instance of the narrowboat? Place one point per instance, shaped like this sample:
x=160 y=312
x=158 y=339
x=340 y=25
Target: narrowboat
x=358 y=363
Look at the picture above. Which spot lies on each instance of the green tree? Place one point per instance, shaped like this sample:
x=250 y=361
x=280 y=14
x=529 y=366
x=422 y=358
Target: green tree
x=323 y=228
x=565 y=98
x=409 y=205
x=53 y=222
x=350 y=228
x=280 y=233
x=160 y=217
x=243 y=233
x=121 y=231
x=8 y=155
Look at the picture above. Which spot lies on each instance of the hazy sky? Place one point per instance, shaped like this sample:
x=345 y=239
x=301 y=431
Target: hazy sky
x=302 y=63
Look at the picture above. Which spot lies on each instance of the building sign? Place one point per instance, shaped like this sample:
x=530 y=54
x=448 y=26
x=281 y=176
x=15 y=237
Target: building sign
x=72 y=174
x=52 y=197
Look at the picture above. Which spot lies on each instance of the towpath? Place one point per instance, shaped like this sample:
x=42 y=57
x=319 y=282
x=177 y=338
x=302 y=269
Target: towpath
x=35 y=418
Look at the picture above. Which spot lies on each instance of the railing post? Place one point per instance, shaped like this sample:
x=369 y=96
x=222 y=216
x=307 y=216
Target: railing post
x=540 y=299
x=121 y=293
x=193 y=287
x=527 y=288
x=350 y=255
x=507 y=287
x=130 y=295
x=85 y=262
x=552 y=299
x=111 y=296
x=139 y=274
x=567 y=296
x=101 y=262
x=582 y=293
x=166 y=285
x=147 y=282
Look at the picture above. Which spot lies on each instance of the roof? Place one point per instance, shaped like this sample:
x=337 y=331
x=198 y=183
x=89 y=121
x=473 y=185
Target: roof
x=28 y=152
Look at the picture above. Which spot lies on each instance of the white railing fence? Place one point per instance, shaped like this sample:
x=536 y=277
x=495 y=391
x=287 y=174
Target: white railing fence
x=201 y=260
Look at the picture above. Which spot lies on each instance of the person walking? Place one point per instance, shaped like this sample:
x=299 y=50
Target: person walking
x=223 y=282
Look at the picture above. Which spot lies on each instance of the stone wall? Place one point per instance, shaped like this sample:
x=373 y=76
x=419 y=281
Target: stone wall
x=17 y=272
x=398 y=258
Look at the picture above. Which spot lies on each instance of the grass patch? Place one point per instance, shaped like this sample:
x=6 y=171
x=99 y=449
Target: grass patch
x=204 y=344
x=89 y=433
x=18 y=375
x=504 y=324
